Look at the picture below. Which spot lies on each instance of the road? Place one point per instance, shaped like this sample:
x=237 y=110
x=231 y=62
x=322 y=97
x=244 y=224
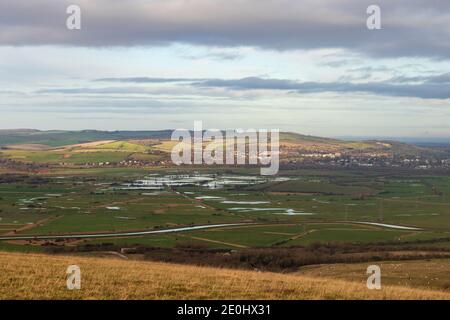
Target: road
x=122 y=234
x=173 y=230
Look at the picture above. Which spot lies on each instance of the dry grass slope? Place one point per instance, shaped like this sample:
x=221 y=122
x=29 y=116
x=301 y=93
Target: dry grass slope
x=35 y=276
x=426 y=274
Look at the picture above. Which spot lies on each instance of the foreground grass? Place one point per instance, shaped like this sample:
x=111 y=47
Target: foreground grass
x=427 y=274
x=36 y=276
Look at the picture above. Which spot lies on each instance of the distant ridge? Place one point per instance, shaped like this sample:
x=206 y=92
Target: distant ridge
x=56 y=138
x=289 y=140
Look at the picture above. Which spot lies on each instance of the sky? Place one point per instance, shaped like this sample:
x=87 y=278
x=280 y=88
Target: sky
x=311 y=67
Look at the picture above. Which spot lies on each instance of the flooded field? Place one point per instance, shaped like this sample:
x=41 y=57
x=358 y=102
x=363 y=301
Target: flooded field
x=208 y=181
x=292 y=209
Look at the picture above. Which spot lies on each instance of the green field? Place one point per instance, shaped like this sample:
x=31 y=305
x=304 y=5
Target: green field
x=70 y=202
x=101 y=152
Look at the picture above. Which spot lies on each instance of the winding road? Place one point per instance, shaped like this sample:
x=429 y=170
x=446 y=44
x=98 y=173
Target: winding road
x=173 y=230
x=121 y=234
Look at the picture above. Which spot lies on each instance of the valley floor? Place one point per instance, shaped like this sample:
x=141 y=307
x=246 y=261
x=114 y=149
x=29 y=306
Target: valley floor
x=38 y=276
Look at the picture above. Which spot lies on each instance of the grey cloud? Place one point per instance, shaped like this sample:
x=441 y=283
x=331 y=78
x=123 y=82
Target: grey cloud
x=244 y=83
x=409 y=27
x=11 y=92
x=255 y=83
x=186 y=92
x=434 y=79
x=109 y=90
x=434 y=87
x=424 y=90
x=442 y=78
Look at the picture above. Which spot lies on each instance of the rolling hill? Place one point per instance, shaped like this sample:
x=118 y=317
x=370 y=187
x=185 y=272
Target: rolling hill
x=91 y=146
x=57 y=138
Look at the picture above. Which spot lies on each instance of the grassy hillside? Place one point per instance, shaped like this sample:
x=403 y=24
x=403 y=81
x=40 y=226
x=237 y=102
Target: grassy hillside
x=426 y=274
x=56 y=138
x=53 y=147
x=33 y=276
x=99 y=151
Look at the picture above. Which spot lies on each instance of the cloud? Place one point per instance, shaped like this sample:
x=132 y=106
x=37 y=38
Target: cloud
x=185 y=92
x=431 y=87
x=432 y=79
x=218 y=56
x=409 y=27
x=442 y=78
x=423 y=90
x=147 y=80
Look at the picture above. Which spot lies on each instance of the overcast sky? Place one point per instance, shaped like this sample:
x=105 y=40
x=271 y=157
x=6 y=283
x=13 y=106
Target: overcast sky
x=307 y=66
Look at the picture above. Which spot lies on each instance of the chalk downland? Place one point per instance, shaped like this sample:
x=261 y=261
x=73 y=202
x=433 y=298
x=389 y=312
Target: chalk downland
x=38 y=276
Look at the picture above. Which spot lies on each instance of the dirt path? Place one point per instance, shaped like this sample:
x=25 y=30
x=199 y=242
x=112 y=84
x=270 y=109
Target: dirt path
x=30 y=226
x=297 y=236
x=303 y=234
x=220 y=242
x=279 y=233
x=114 y=253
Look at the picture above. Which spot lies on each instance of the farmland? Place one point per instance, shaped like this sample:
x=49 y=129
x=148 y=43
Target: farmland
x=80 y=198
x=316 y=208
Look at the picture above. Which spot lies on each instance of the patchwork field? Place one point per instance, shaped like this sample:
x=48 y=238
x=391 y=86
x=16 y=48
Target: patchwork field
x=314 y=210
x=99 y=152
